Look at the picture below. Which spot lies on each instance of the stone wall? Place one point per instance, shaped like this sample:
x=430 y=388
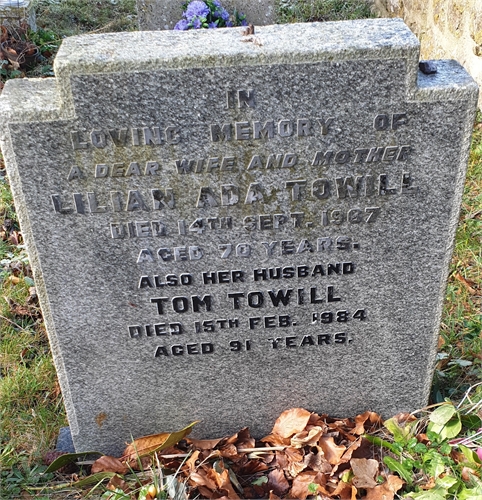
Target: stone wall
x=447 y=29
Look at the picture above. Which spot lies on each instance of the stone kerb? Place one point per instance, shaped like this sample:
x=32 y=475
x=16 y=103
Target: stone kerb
x=226 y=226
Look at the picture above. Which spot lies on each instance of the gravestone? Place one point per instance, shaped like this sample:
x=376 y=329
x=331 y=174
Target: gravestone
x=154 y=15
x=226 y=226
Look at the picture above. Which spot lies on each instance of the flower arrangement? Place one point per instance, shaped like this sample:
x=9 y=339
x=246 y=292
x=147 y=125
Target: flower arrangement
x=208 y=14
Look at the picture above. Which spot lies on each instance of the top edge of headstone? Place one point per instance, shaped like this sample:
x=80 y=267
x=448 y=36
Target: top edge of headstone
x=147 y=50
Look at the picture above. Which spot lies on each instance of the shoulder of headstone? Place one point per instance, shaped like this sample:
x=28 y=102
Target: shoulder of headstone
x=29 y=99
x=450 y=82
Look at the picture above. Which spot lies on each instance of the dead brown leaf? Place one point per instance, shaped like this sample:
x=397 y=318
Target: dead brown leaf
x=299 y=488
x=245 y=440
x=332 y=451
x=467 y=283
x=365 y=422
x=204 y=444
x=404 y=418
x=353 y=447
x=251 y=467
x=206 y=492
x=225 y=486
x=154 y=442
x=201 y=478
x=229 y=451
x=277 y=482
x=140 y=463
x=344 y=491
x=296 y=463
x=275 y=440
x=316 y=460
x=468 y=474
x=191 y=461
x=291 y=422
x=117 y=482
x=307 y=437
x=109 y=464
x=365 y=470
x=385 y=491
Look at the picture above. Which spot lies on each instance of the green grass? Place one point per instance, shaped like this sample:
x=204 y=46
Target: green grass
x=31 y=408
x=290 y=11
x=73 y=17
x=461 y=331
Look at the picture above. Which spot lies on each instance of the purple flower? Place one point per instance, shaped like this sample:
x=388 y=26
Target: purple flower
x=229 y=24
x=196 y=23
x=225 y=15
x=181 y=25
x=244 y=22
x=196 y=9
x=213 y=25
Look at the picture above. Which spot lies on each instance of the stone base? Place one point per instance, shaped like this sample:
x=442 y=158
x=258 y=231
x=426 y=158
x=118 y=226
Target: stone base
x=64 y=441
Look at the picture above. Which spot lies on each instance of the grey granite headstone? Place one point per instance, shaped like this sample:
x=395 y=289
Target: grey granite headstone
x=154 y=15
x=226 y=226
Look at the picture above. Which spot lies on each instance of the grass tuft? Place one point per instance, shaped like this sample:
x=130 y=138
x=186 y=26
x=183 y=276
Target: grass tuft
x=460 y=364
x=296 y=11
x=71 y=17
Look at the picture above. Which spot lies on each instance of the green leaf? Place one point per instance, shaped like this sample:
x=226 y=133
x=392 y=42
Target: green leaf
x=469 y=454
x=445 y=448
x=433 y=494
x=118 y=494
x=398 y=467
x=93 y=479
x=471 y=422
x=435 y=465
x=381 y=442
x=470 y=493
x=143 y=493
x=442 y=414
x=445 y=482
x=312 y=488
x=68 y=458
x=447 y=430
x=400 y=434
x=260 y=481
x=419 y=448
x=439 y=492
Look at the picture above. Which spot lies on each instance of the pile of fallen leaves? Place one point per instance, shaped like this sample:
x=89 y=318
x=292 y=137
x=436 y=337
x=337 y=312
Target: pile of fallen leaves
x=305 y=455
x=17 y=53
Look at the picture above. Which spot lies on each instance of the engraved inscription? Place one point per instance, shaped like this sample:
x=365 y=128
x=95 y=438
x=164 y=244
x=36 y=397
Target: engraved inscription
x=324 y=174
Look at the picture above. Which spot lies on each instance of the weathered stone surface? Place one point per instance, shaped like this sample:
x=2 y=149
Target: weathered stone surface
x=448 y=29
x=154 y=15
x=224 y=227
